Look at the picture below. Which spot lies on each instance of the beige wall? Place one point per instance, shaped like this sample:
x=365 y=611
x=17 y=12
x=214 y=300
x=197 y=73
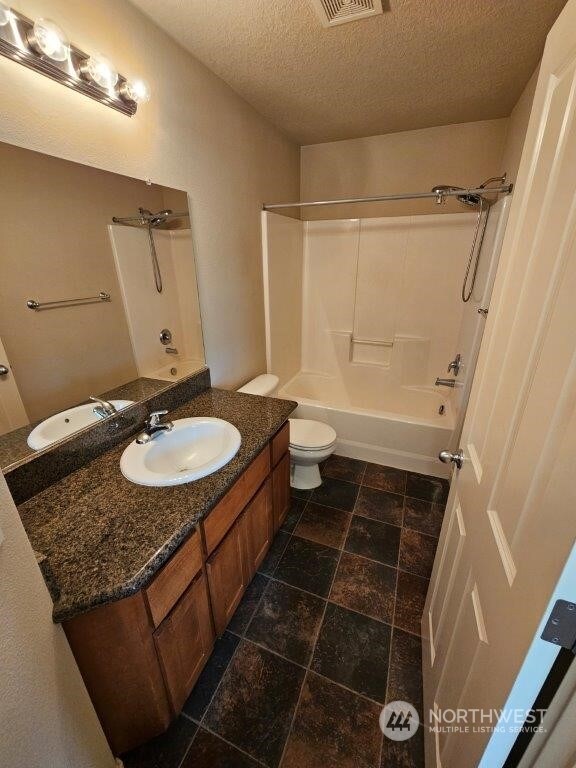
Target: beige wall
x=46 y=715
x=283 y=271
x=55 y=244
x=195 y=134
x=517 y=126
x=411 y=161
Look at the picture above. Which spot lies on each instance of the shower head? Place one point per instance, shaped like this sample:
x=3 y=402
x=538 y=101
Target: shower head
x=466 y=197
x=151 y=220
x=474 y=199
x=160 y=218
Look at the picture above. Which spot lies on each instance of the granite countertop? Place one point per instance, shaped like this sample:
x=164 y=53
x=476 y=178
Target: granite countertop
x=104 y=537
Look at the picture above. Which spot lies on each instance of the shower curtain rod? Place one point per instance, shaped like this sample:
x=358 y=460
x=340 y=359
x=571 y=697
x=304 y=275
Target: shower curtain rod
x=140 y=222
x=504 y=189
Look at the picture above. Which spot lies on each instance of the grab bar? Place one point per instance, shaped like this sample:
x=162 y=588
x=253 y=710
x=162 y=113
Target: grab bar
x=37 y=305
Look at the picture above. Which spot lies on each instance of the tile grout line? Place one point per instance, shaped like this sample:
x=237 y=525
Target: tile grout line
x=269 y=577
x=245 y=639
x=315 y=642
x=390 y=655
x=335 y=602
x=231 y=744
x=308 y=668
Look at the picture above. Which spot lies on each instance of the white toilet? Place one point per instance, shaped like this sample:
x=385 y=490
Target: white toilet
x=310 y=441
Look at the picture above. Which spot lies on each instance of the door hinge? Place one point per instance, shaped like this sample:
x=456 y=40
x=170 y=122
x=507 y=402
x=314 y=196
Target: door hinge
x=560 y=628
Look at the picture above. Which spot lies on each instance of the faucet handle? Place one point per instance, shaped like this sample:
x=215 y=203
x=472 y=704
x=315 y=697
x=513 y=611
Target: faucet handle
x=154 y=418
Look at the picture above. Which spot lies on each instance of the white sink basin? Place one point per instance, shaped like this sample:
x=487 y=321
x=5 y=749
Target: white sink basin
x=67 y=422
x=193 y=449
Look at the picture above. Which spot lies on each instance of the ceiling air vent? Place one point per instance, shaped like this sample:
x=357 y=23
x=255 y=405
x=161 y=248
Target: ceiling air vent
x=333 y=12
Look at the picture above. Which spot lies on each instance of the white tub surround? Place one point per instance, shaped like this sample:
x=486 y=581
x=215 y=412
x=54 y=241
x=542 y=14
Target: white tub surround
x=399 y=427
x=149 y=312
x=382 y=317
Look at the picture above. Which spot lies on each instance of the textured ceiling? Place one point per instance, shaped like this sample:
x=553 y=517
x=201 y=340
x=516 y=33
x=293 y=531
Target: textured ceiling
x=422 y=63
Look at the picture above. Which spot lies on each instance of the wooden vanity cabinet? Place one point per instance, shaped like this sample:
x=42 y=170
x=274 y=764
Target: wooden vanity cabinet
x=184 y=642
x=227 y=576
x=281 y=490
x=233 y=564
x=279 y=447
x=141 y=656
x=258 y=528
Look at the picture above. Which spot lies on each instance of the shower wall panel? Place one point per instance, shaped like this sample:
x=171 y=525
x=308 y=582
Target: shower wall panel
x=392 y=282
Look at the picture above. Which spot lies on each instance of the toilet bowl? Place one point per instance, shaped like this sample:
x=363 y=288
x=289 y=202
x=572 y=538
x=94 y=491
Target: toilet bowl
x=311 y=442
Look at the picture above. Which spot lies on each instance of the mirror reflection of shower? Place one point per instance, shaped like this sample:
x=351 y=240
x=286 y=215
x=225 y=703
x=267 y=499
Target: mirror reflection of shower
x=481 y=203
x=152 y=221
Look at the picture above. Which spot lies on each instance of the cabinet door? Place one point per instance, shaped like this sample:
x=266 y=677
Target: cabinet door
x=258 y=528
x=227 y=576
x=281 y=490
x=184 y=641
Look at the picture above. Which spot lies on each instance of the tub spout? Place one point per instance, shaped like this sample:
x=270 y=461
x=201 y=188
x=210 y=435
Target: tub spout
x=445 y=382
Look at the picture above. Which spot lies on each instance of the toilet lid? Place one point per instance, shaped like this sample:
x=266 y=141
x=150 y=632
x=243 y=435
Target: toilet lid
x=308 y=434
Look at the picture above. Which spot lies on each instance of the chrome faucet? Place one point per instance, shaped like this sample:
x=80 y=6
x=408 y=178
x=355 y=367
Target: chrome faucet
x=153 y=427
x=445 y=382
x=103 y=408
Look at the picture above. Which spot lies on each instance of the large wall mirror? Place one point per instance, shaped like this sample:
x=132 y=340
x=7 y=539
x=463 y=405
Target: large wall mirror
x=98 y=296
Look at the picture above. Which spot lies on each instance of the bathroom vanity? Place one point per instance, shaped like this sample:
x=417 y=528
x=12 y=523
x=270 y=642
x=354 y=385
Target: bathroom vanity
x=145 y=579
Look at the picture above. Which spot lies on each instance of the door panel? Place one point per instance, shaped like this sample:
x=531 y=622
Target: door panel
x=449 y=560
x=511 y=525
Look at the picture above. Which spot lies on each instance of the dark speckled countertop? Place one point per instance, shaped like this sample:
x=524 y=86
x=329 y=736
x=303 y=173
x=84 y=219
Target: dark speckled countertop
x=104 y=537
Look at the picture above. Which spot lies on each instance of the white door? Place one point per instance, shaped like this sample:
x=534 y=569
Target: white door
x=12 y=411
x=511 y=516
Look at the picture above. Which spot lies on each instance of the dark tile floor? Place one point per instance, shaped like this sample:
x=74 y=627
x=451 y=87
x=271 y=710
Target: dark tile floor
x=327 y=632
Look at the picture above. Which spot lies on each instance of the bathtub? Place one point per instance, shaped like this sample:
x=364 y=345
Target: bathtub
x=176 y=369
x=392 y=425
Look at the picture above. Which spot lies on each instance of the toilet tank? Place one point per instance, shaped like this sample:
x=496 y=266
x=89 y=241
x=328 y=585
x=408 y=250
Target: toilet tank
x=265 y=384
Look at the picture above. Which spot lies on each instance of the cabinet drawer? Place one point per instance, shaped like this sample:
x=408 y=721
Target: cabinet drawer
x=280 y=443
x=169 y=583
x=225 y=513
x=184 y=641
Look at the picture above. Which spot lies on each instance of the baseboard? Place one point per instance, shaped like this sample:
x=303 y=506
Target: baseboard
x=425 y=465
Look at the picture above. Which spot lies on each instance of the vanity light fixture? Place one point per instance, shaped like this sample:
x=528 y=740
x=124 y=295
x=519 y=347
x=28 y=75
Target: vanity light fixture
x=100 y=71
x=47 y=39
x=136 y=90
x=42 y=46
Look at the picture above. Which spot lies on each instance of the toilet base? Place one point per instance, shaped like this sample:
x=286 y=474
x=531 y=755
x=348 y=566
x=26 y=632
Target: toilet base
x=305 y=477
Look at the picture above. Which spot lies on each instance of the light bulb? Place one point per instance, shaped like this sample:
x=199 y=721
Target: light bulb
x=100 y=71
x=47 y=39
x=135 y=90
x=5 y=15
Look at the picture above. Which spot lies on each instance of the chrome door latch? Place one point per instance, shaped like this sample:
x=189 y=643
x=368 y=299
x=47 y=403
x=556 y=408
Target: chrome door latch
x=447 y=457
x=4 y=370
x=560 y=628
x=455 y=365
